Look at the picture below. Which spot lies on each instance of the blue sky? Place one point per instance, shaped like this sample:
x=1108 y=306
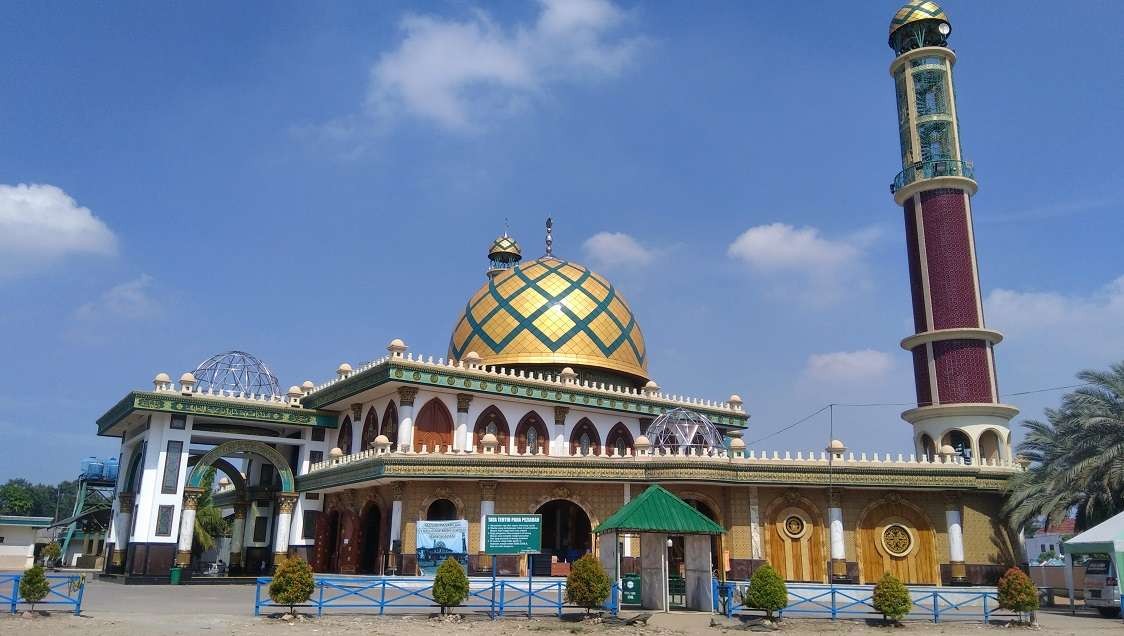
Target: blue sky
x=306 y=181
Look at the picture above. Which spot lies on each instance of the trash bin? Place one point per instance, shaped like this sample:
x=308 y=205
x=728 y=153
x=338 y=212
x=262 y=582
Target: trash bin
x=630 y=595
x=174 y=575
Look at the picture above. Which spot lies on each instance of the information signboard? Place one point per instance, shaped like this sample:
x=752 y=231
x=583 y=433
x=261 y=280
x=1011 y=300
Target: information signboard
x=512 y=534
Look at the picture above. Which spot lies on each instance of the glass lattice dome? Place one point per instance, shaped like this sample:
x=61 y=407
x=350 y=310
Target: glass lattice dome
x=686 y=431
x=236 y=372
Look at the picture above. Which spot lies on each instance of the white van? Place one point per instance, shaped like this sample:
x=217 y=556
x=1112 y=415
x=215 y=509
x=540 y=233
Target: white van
x=1100 y=587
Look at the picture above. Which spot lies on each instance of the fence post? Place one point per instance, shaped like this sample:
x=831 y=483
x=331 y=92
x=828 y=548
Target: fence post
x=730 y=589
x=257 y=598
x=834 y=609
x=320 y=598
x=493 y=612
x=503 y=584
x=936 y=608
x=611 y=610
x=382 y=597
x=78 y=601
x=987 y=613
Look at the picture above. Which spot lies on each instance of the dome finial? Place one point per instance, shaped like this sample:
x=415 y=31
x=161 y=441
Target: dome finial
x=549 y=236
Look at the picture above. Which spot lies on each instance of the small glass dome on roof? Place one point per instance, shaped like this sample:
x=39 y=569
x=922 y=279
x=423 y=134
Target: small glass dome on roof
x=236 y=372
x=685 y=430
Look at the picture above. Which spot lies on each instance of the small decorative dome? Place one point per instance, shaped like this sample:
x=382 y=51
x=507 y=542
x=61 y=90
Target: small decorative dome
x=489 y=439
x=472 y=359
x=308 y=385
x=224 y=482
x=382 y=440
x=335 y=453
x=836 y=445
x=237 y=372
x=642 y=442
x=161 y=378
x=684 y=429
x=188 y=378
x=505 y=250
x=295 y=391
x=914 y=11
x=947 y=449
x=343 y=369
x=396 y=346
x=737 y=443
x=735 y=400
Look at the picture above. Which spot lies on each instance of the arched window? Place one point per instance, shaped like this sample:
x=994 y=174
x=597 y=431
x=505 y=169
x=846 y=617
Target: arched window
x=433 y=427
x=585 y=440
x=928 y=448
x=491 y=420
x=343 y=440
x=619 y=440
x=370 y=429
x=441 y=510
x=390 y=424
x=961 y=444
x=531 y=435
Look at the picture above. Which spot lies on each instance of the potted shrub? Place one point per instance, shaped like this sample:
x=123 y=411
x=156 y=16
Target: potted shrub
x=292 y=584
x=766 y=591
x=450 y=585
x=587 y=584
x=34 y=586
x=1017 y=593
x=891 y=599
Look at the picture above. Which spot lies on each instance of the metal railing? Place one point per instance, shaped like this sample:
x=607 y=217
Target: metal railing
x=933 y=169
x=857 y=601
x=495 y=597
x=64 y=589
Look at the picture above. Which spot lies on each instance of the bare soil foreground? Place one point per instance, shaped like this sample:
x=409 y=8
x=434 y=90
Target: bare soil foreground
x=112 y=609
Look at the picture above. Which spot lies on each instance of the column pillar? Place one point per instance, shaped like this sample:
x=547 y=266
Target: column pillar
x=123 y=525
x=237 y=535
x=487 y=507
x=397 y=489
x=627 y=539
x=952 y=518
x=187 y=525
x=286 y=502
x=838 y=549
x=406 y=395
x=559 y=443
x=460 y=438
x=755 y=550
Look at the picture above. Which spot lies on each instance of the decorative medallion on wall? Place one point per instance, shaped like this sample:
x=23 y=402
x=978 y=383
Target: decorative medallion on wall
x=794 y=526
x=897 y=540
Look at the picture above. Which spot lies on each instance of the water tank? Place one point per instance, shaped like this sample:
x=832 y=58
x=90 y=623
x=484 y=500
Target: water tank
x=86 y=463
x=111 y=466
x=95 y=470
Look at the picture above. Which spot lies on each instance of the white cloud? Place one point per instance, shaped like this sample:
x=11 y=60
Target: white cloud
x=41 y=224
x=460 y=73
x=1087 y=323
x=848 y=366
x=617 y=248
x=824 y=267
x=130 y=300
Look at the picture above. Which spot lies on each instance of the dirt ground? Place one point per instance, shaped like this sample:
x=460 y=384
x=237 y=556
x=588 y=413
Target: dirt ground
x=112 y=610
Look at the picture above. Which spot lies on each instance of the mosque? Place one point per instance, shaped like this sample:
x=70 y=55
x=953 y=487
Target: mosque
x=543 y=404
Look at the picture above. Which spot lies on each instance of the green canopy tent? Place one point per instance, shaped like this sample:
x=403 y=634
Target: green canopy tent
x=1106 y=538
x=655 y=515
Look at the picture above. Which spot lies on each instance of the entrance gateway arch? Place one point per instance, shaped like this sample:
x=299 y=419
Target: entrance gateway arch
x=286 y=499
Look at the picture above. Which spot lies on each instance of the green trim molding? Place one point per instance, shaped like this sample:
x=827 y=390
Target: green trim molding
x=169 y=402
x=411 y=372
x=18 y=520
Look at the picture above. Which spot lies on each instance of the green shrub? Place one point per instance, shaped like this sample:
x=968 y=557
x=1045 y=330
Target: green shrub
x=34 y=586
x=51 y=552
x=766 y=591
x=292 y=583
x=1017 y=592
x=891 y=598
x=450 y=585
x=587 y=585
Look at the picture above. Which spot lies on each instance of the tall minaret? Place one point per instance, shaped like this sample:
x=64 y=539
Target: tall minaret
x=953 y=359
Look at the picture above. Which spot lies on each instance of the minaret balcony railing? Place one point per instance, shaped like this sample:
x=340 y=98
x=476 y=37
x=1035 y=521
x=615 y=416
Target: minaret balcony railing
x=931 y=170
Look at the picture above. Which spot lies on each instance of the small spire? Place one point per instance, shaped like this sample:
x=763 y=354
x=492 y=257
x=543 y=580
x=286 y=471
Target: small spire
x=549 y=237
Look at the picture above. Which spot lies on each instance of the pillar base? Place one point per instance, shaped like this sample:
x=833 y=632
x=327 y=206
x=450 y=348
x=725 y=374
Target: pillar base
x=118 y=558
x=958 y=572
x=839 y=571
x=183 y=558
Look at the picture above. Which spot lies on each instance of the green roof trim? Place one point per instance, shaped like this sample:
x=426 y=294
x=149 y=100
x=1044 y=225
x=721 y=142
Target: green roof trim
x=17 y=520
x=207 y=406
x=657 y=510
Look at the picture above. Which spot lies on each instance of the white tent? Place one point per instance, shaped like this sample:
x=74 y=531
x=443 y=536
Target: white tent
x=1106 y=537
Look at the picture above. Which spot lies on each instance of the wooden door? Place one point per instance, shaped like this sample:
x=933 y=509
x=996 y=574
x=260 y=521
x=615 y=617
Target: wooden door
x=796 y=546
x=433 y=427
x=896 y=538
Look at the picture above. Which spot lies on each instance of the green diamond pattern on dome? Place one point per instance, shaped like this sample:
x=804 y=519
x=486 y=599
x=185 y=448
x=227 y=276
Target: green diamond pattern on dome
x=504 y=244
x=917 y=10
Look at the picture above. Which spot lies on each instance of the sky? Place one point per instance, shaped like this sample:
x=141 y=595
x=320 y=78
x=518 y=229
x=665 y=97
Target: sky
x=307 y=181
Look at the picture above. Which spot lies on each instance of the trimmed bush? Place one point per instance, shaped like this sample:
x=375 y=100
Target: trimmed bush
x=450 y=585
x=891 y=598
x=34 y=586
x=51 y=552
x=587 y=585
x=766 y=591
x=1017 y=592
x=292 y=584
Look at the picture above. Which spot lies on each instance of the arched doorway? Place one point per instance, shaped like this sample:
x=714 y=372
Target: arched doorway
x=491 y=420
x=325 y=557
x=960 y=443
x=585 y=440
x=370 y=553
x=441 y=510
x=343 y=439
x=566 y=534
x=390 y=424
x=990 y=447
x=370 y=430
x=619 y=440
x=896 y=537
x=794 y=540
x=928 y=448
x=530 y=435
x=433 y=427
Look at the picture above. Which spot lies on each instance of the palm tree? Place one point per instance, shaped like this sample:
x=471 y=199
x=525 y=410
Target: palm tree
x=209 y=522
x=1076 y=456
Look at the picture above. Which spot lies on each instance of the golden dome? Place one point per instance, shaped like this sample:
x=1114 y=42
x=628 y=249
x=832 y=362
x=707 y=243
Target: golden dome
x=505 y=249
x=550 y=311
x=915 y=10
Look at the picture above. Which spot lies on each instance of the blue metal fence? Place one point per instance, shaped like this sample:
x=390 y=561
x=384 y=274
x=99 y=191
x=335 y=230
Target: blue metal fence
x=857 y=601
x=65 y=589
x=495 y=597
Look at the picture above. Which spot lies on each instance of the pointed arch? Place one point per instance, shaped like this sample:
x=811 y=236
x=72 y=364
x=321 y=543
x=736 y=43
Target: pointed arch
x=228 y=469
x=343 y=440
x=370 y=429
x=433 y=426
x=585 y=437
x=390 y=424
x=266 y=452
x=619 y=440
x=491 y=417
x=532 y=425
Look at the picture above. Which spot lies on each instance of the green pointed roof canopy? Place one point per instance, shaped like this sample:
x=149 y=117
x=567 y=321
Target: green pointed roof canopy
x=657 y=510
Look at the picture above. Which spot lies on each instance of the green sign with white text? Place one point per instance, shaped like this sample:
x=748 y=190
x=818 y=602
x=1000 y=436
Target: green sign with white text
x=512 y=534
